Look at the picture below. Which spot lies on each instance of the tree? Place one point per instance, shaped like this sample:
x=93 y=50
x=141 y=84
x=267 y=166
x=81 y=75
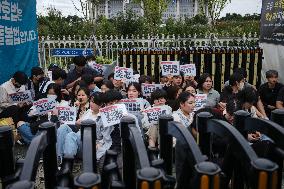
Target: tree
x=153 y=12
x=213 y=8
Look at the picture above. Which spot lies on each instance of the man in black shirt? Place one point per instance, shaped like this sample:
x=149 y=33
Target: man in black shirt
x=268 y=91
x=80 y=69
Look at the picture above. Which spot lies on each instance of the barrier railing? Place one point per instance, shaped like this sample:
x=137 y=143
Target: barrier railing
x=201 y=174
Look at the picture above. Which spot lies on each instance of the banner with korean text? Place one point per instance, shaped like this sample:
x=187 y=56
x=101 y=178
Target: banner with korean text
x=18 y=37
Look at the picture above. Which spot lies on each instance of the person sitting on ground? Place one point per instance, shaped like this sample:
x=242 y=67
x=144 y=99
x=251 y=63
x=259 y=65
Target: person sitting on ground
x=189 y=88
x=58 y=77
x=205 y=86
x=158 y=98
x=268 y=91
x=106 y=85
x=69 y=142
x=37 y=76
x=8 y=108
x=172 y=96
x=90 y=82
x=29 y=129
x=80 y=69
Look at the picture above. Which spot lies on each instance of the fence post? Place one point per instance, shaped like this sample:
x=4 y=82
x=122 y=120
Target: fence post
x=203 y=138
x=278 y=116
x=166 y=143
x=129 y=175
x=49 y=154
x=7 y=162
x=239 y=121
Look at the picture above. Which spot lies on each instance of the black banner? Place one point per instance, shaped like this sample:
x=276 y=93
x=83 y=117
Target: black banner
x=217 y=61
x=272 y=22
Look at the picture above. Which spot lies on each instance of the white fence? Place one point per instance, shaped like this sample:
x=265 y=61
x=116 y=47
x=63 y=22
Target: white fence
x=109 y=46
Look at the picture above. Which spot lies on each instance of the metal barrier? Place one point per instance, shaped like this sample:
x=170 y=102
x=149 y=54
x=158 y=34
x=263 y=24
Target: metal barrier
x=278 y=116
x=88 y=178
x=137 y=172
x=276 y=133
x=241 y=163
x=43 y=144
x=202 y=174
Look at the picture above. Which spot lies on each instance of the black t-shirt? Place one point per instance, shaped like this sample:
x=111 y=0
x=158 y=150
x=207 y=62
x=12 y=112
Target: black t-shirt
x=269 y=95
x=280 y=96
x=74 y=75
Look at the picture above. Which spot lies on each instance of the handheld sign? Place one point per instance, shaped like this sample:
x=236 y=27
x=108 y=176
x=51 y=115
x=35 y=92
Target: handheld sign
x=111 y=115
x=134 y=78
x=147 y=89
x=67 y=115
x=121 y=73
x=170 y=68
x=25 y=96
x=133 y=105
x=98 y=67
x=188 y=69
x=200 y=101
x=151 y=115
x=45 y=105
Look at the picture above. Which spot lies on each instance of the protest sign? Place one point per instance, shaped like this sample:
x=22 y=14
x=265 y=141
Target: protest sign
x=147 y=89
x=200 y=101
x=25 y=96
x=111 y=115
x=121 y=73
x=151 y=115
x=45 y=105
x=134 y=78
x=133 y=105
x=67 y=114
x=98 y=67
x=188 y=69
x=170 y=68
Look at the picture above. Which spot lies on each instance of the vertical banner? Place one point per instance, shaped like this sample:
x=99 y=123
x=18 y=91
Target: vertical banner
x=272 y=22
x=18 y=37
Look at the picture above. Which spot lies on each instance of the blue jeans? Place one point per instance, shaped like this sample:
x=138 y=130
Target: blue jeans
x=68 y=142
x=25 y=132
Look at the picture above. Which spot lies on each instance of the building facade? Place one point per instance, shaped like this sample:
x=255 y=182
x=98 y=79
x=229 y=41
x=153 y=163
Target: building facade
x=178 y=9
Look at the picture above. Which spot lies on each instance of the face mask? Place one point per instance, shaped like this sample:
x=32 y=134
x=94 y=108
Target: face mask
x=52 y=96
x=242 y=84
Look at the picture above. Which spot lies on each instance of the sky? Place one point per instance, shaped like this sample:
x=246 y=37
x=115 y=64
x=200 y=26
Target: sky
x=236 y=6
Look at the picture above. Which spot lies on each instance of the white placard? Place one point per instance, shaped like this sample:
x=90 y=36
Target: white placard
x=121 y=73
x=111 y=115
x=133 y=105
x=188 y=69
x=134 y=78
x=147 y=89
x=151 y=115
x=98 y=67
x=45 y=105
x=49 y=74
x=200 y=101
x=24 y=96
x=67 y=115
x=170 y=68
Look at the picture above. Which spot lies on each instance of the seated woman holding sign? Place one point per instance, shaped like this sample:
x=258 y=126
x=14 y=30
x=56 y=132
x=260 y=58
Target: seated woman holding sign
x=205 y=86
x=134 y=92
x=69 y=142
x=28 y=130
x=184 y=115
x=82 y=105
x=151 y=115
